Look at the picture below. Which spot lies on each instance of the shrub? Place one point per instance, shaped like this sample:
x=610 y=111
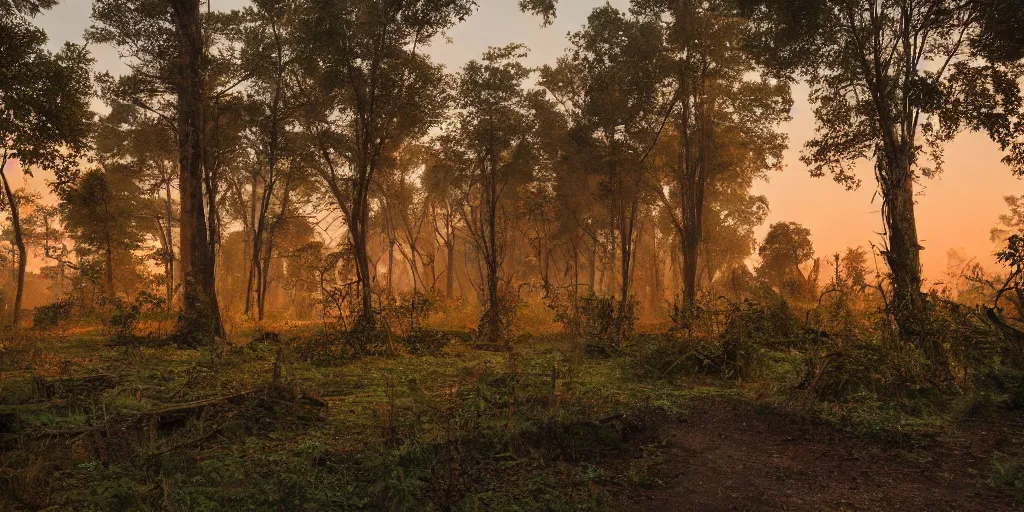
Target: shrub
x=603 y=321
x=1008 y=473
x=892 y=371
x=508 y=306
x=668 y=355
x=54 y=315
x=429 y=341
x=125 y=316
x=409 y=311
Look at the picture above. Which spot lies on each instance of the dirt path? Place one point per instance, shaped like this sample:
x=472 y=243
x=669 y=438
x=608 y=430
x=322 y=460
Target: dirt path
x=728 y=456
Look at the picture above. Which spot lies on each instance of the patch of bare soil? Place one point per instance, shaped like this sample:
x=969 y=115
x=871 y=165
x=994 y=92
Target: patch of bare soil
x=730 y=456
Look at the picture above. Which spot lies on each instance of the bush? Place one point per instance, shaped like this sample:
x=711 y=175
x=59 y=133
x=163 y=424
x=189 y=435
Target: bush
x=1008 y=473
x=603 y=321
x=728 y=344
x=890 y=371
x=125 y=316
x=408 y=312
x=54 y=315
x=508 y=306
x=668 y=355
x=429 y=341
x=762 y=325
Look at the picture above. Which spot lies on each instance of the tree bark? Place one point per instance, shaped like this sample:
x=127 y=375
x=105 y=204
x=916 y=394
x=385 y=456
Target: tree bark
x=259 y=270
x=904 y=257
x=19 y=241
x=494 y=325
x=592 y=278
x=358 y=229
x=108 y=250
x=256 y=265
x=450 y=245
x=904 y=252
x=200 y=316
x=655 y=270
x=692 y=178
x=168 y=207
x=268 y=251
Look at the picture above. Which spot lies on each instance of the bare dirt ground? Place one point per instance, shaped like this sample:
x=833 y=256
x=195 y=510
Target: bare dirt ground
x=730 y=456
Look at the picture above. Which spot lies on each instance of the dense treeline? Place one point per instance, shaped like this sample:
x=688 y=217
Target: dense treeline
x=308 y=160
x=288 y=261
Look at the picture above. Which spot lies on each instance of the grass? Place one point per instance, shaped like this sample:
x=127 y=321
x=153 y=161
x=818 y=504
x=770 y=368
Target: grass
x=539 y=428
x=543 y=427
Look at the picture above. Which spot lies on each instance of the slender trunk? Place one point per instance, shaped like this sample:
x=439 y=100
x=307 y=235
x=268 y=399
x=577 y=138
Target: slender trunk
x=492 y=263
x=623 y=323
x=360 y=222
x=261 y=297
x=168 y=210
x=612 y=257
x=268 y=192
x=575 y=269
x=268 y=252
x=19 y=242
x=656 y=271
x=391 y=266
x=256 y=266
x=689 y=264
x=109 y=257
x=213 y=217
x=413 y=267
x=250 y=235
x=592 y=278
x=692 y=165
x=450 y=245
x=626 y=243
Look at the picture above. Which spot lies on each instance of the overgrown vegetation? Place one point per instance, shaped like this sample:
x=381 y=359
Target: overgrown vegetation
x=296 y=263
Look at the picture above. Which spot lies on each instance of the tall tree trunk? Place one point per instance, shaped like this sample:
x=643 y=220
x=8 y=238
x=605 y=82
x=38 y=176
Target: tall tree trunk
x=656 y=270
x=360 y=223
x=257 y=268
x=904 y=252
x=626 y=242
x=414 y=267
x=213 y=217
x=693 y=206
x=108 y=251
x=592 y=278
x=391 y=266
x=261 y=297
x=250 y=244
x=200 y=316
x=268 y=252
x=693 y=169
x=450 y=245
x=268 y=191
x=494 y=300
x=612 y=256
x=19 y=242
x=169 y=211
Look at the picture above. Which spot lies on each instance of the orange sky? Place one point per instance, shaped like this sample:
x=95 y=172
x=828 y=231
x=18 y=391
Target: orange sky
x=955 y=210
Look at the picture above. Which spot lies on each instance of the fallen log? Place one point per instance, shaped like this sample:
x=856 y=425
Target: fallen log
x=190 y=407
x=75 y=386
x=173 y=415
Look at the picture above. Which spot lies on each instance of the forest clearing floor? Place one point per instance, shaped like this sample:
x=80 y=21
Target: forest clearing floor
x=284 y=422
x=737 y=455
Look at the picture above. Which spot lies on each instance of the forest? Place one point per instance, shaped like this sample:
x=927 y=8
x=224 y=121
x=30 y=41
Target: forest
x=279 y=256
